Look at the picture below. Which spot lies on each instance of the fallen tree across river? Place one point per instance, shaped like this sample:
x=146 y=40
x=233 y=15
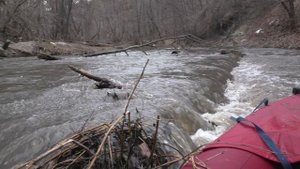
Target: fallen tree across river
x=188 y=37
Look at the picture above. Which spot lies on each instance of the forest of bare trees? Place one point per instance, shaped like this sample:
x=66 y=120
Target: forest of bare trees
x=120 y=20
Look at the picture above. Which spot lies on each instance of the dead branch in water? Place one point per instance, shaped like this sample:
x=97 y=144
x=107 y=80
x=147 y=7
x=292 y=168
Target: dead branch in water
x=188 y=37
x=135 y=86
x=91 y=164
x=154 y=141
x=102 y=82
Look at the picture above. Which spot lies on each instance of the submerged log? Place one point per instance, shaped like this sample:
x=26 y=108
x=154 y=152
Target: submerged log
x=224 y=51
x=102 y=82
x=46 y=56
x=233 y=52
x=175 y=52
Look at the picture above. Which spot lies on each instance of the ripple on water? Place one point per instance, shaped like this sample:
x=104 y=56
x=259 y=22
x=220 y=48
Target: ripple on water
x=55 y=101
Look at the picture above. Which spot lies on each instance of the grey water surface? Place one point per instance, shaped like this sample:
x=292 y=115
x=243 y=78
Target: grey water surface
x=42 y=102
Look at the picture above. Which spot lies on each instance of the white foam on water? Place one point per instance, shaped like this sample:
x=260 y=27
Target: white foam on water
x=239 y=103
x=254 y=79
x=205 y=136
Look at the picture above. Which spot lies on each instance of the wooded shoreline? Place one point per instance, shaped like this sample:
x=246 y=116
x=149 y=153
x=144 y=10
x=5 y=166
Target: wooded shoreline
x=48 y=50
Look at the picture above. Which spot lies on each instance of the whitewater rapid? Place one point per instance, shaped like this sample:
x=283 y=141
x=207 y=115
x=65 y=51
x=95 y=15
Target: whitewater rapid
x=261 y=74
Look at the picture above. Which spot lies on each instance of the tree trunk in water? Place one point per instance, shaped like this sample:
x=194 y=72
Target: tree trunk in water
x=102 y=82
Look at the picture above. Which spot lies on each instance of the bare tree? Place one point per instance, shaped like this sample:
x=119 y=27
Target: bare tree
x=12 y=14
x=289 y=6
x=117 y=20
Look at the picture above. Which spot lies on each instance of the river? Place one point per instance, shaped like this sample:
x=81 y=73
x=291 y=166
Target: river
x=195 y=92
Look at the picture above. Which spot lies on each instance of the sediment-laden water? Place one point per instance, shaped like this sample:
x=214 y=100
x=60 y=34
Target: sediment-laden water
x=195 y=92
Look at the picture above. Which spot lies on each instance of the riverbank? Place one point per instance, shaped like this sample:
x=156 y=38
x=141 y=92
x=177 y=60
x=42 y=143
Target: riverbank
x=53 y=48
x=269 y=30
x=34 y=48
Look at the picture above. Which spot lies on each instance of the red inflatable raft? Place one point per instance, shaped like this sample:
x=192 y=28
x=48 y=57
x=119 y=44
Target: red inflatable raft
x=242 y=147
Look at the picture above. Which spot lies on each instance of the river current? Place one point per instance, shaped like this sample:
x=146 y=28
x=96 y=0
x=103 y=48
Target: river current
x=195 y=92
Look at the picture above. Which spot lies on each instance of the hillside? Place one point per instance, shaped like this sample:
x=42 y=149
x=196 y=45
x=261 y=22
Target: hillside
x=268 y=30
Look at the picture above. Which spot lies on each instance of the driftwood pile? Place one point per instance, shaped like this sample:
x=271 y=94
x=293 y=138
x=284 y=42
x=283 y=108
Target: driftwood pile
x=122 y=144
